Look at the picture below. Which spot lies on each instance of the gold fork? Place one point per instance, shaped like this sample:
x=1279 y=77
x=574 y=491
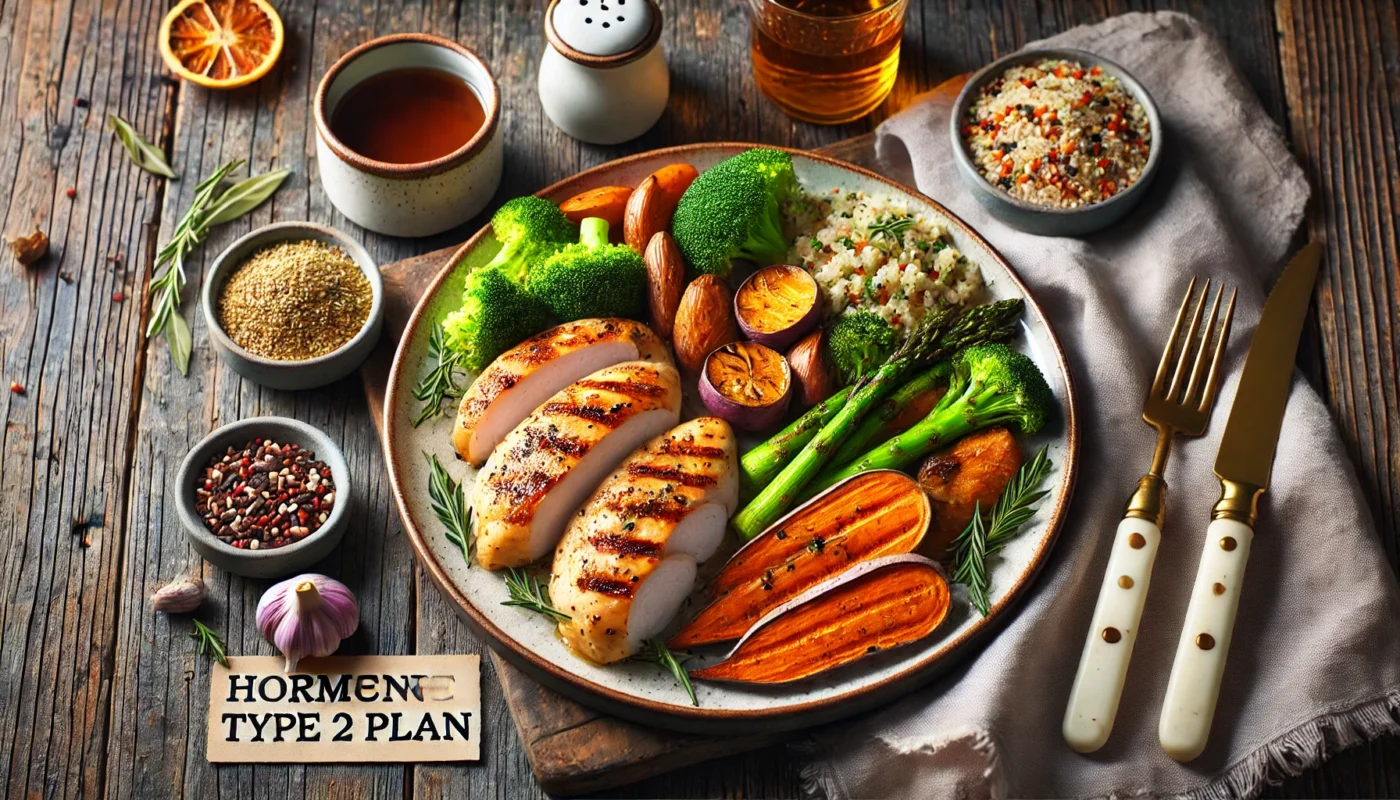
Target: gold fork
x=1178 y=404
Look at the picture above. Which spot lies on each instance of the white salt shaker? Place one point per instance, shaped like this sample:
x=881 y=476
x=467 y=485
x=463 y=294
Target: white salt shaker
x=603 y=78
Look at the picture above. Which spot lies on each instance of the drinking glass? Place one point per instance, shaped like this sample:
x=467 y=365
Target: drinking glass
x=826 y=61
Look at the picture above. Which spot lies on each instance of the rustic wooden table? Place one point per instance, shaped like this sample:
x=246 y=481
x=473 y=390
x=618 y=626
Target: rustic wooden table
x=99 y=696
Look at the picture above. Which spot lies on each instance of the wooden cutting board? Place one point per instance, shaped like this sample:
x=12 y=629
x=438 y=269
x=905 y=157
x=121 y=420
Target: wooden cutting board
x=572 y=748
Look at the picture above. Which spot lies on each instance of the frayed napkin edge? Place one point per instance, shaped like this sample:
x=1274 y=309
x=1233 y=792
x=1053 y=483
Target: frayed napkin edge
x=1304 y=747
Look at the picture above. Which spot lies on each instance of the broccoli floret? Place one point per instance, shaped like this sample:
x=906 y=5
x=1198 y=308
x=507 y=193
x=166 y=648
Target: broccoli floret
x=530 y=229
x=733 y=210
x=859 y=342
x=995 y=385
x=496 y=314
x=591 y=278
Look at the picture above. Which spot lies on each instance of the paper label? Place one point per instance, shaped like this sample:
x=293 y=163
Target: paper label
x=346 y=709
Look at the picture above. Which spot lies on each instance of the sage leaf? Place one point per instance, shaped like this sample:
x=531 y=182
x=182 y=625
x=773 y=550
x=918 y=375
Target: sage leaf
x=244 y=196
x=177 y=335
x=143 y=154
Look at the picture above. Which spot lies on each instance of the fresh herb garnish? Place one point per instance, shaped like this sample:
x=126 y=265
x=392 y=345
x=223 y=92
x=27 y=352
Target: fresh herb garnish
x=205 y=211
x=450 y=506
x=529 y=594
x=982 y=539
x=143 y=154
x=441 y=381
x=209 y=642
x=892 y=227
x=658 y=653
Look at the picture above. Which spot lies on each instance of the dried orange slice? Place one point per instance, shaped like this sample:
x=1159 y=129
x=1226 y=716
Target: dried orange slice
x=221 y=44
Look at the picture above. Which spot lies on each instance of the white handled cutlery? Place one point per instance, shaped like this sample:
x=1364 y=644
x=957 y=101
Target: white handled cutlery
x=1178 y=404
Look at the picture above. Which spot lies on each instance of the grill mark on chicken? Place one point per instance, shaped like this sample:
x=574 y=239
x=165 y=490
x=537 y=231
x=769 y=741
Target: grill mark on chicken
x=624 y=388
x=668 y=510
x=618 y=544
x=610 y=417
x=592 y=582
x=671 y=474
x=670 y=447
x=521 y=492
x=552 y=441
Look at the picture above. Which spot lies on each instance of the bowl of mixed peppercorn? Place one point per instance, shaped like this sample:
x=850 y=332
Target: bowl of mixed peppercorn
x=294 y=305
x=1056 y=142
x=264 y=497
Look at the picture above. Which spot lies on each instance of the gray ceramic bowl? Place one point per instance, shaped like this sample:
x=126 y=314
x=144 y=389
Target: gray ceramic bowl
x=1038 y=219
x=281 y=561
x=292 y=374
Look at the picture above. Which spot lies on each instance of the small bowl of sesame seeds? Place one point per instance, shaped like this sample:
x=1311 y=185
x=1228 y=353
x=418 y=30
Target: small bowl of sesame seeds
x=1056 y=142
x=294 y=305
x=263 y=497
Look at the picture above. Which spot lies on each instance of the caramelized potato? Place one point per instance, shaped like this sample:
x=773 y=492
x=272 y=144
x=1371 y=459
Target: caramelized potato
x=975 y=469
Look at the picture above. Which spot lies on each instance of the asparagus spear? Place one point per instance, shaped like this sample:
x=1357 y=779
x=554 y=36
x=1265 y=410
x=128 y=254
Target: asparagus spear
x=925 y=344
x=888 y=409
x=759 y=465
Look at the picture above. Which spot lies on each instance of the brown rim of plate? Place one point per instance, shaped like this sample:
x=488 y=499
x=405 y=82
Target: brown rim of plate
x=384 y=169
x=604 y=62
x=541 y=668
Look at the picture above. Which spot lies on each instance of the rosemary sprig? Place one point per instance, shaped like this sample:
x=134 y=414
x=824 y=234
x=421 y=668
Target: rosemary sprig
x=441 y=381
x=529 y=594
x=982 y=539
x=205 y=211
x=451 y=509
x=209 y=642
x=143 y=154
x=892 y=227
x=658 y=653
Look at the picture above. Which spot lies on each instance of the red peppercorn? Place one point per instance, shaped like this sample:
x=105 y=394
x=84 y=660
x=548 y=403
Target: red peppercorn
x=117 y=297
x=71 y=192
x=16 y=387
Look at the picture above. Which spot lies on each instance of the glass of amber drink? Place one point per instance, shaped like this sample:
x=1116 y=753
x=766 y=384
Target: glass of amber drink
x=826 y=61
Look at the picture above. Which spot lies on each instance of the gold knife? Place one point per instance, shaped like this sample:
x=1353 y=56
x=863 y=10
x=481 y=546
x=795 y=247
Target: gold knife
x=1243 y=465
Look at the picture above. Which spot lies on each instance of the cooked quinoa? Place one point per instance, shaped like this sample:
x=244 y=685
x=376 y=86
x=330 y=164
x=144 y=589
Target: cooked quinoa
x=877 y=254
x=1057 y=134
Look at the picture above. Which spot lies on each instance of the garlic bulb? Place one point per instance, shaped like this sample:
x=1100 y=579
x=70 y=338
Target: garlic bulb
x=307 y=616
x=179 y=596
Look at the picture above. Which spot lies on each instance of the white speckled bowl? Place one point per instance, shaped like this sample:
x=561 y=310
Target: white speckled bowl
x=281 y=561
x=409 y=199
x=1036 y=219
x=640 y=691
x=312 y=372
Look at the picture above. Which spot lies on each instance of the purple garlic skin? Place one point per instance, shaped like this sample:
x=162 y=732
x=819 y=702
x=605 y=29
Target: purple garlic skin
x=307 y=617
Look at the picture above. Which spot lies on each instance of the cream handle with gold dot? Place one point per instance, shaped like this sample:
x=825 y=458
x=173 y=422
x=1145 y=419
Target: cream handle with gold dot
x=1103 y=667
x=1194 y=685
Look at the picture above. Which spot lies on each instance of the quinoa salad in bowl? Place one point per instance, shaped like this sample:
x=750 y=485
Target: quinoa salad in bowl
x=873 y=253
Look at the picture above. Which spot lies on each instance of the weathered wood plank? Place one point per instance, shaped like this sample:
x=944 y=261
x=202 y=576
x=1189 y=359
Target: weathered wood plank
x=1341 y=71
x=76 y=352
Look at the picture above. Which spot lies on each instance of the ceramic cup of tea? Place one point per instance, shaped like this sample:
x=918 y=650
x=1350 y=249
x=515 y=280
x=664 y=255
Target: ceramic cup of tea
x=408 y=135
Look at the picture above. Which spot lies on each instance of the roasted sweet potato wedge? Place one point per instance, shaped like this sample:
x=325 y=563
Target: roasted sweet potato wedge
x=607 y=202
x=973 y=470
x=872 y=514
x=878 y=605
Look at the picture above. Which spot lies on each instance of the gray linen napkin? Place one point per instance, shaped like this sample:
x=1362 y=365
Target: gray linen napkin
x=1315 y=662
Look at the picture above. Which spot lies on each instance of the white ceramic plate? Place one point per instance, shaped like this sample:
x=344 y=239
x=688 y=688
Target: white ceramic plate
x=643 y=692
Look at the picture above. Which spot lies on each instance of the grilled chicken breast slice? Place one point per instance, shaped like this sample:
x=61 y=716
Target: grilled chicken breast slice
x=973 y=470
x=552 y=461
x=628 y=558
x=526 y=375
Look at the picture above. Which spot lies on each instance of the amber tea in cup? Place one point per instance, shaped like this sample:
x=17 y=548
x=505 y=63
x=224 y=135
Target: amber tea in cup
x=408 y=116
x=826 y=61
